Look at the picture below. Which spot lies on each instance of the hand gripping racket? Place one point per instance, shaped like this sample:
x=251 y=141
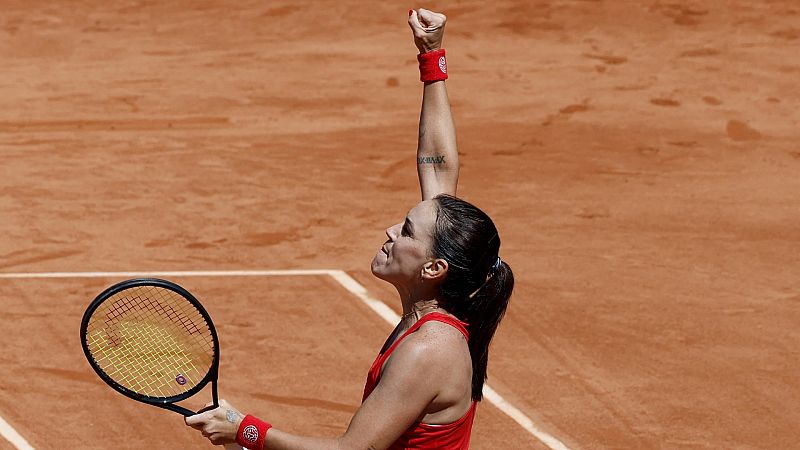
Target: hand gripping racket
x=152 y=341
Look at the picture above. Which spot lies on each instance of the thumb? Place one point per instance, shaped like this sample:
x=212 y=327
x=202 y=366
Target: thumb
x=413 y=20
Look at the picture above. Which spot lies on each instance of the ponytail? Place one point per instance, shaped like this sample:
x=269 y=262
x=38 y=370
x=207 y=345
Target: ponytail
x=483 y=314
x=478 y=285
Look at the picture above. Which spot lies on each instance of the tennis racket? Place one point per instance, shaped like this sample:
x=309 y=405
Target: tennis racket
x=152 y=341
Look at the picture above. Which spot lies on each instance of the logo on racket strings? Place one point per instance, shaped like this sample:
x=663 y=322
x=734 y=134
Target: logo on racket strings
x=442 y=64
x=180 y=379
x=250 y=434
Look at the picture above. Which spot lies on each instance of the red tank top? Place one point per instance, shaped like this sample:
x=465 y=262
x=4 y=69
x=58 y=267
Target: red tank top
x=422 y=436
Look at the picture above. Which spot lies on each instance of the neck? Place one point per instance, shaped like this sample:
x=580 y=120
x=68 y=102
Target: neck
x=416 y=304
x=419 y=309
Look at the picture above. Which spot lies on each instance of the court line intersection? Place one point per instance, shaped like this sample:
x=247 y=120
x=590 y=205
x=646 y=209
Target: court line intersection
x=345 y=280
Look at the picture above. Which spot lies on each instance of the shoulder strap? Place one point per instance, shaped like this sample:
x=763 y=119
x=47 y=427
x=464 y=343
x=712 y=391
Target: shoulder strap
x=450 y=320
x=438 y=317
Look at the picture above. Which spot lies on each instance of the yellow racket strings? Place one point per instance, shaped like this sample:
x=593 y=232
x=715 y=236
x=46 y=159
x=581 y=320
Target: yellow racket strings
x=151 y=341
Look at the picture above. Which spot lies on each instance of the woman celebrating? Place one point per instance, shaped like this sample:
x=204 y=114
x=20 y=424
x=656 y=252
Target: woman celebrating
x=423 y=388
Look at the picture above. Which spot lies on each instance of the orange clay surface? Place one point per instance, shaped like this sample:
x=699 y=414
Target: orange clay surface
x=639 y=158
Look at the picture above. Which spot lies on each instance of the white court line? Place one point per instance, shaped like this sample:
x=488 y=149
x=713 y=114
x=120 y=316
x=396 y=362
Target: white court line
x=187 y=273
x=342 y=278
x=11 y=435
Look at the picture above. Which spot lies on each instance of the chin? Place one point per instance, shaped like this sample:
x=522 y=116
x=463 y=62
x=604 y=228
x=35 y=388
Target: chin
x=380 y=271
x=377 y=269
x=378 y=265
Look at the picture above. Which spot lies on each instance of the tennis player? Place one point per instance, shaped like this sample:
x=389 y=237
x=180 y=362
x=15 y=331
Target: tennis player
x=423 y=388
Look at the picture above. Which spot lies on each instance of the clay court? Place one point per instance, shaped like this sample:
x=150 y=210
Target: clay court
x=640 y=160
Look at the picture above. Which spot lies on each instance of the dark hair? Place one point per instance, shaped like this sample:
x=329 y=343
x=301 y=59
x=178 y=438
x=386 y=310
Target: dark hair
x=476 y=289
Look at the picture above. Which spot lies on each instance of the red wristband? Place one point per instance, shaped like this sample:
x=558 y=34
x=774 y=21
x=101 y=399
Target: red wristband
x=432 y=66
x=252 y=432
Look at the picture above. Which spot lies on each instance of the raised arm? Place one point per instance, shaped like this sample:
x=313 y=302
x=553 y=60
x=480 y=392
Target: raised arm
x=437 y=151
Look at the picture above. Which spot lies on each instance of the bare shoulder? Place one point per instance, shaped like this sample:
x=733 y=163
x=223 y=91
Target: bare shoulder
x=439 y=333
x=433 y=344
x=434 y=364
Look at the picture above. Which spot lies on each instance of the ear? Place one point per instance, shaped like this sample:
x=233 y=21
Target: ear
x=434 y=270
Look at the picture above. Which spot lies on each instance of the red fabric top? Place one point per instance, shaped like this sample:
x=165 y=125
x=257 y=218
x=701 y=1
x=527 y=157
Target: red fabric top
x=422 y=436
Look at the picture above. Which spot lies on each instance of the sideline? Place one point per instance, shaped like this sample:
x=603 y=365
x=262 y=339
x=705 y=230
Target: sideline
x=348 y=282
x=11 y=435
x=489 y=394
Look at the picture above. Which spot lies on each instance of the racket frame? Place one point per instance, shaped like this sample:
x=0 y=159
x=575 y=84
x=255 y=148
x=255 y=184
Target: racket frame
x=162 y=402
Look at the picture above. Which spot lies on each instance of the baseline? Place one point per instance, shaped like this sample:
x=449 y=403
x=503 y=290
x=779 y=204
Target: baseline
x=185 y=273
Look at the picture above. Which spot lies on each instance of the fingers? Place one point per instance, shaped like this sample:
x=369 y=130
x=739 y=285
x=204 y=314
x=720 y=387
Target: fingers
x=429 y=20
x=216 y=424
x=427 y=28
x=413 y=20
x=197 y=421
x=203 y=417
x=210 y=429
x=218 y=439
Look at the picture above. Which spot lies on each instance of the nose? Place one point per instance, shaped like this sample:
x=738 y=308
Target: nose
x=391 y=232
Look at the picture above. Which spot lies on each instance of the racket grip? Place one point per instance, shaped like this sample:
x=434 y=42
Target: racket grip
x=214 y=405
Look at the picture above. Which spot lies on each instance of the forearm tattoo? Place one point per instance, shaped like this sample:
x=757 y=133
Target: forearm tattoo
x=436 y=159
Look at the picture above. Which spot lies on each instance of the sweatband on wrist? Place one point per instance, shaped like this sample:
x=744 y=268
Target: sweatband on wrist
x=432 y=66
x=252 y=432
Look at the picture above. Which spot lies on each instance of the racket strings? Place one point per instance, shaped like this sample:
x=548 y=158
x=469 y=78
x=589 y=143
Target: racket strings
x=151 y=340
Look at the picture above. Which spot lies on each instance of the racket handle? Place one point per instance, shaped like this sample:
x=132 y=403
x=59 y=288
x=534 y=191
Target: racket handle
x=215 y=405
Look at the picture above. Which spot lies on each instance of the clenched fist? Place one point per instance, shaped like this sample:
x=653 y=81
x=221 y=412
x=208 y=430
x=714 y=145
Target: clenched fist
x=428 y=29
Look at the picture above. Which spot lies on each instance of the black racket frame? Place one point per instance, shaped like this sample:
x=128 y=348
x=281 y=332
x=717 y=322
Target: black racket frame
x=162 y=402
